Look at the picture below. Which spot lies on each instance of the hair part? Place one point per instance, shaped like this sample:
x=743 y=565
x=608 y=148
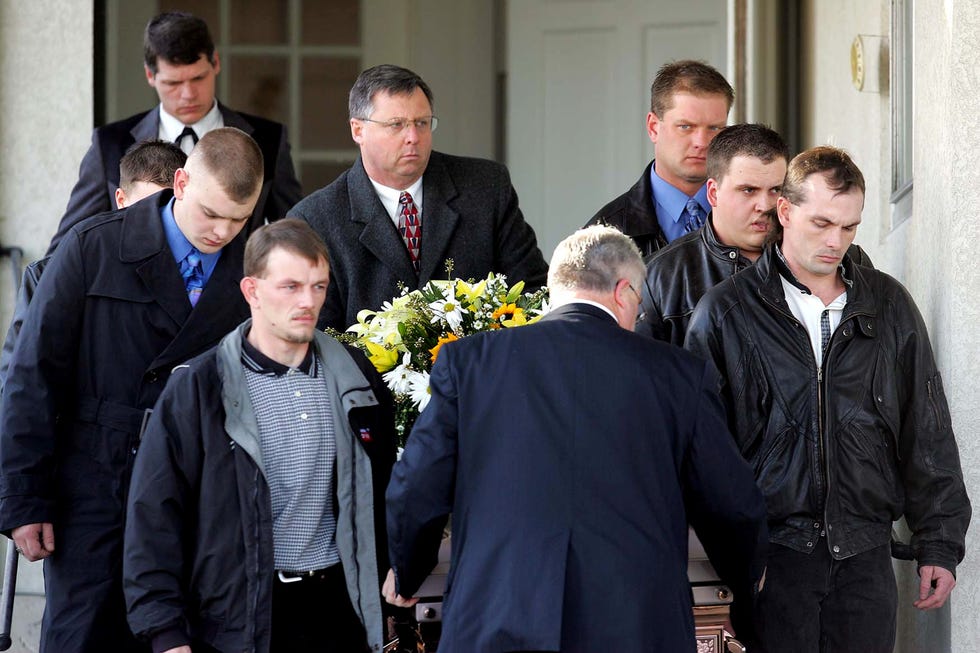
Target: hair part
x=153 y=162
x=289 y=234
x=177 y=37
x=386 y=78
x=750 y=139
x=233 y=158
x=838 y=169
x=687 y=76
x=595 y=259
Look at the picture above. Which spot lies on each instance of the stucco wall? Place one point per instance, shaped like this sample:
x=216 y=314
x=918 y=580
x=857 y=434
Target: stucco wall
x=45 y=125
x=932 y=252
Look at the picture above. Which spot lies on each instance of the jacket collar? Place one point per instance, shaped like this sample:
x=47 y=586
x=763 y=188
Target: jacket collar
x=860 y=294
x=578 y=309
x=717 y=248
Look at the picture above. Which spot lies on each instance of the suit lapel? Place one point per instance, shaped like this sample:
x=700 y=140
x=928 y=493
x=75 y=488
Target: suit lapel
x=144 y=242
x=379 y=235
x=234 y=119
x=215 y=313
x=439 y=220
x=148 y=128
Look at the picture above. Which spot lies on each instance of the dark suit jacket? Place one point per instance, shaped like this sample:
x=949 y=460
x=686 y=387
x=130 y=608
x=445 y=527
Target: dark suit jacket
x=633 y=214
x=469 y=214
x=98 y=174
x=109 y=320
x=572 y=454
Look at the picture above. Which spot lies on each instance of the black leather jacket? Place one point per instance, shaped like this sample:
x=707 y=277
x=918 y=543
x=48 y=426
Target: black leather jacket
x=679 y=275
x=634 y=215
x=847 y=448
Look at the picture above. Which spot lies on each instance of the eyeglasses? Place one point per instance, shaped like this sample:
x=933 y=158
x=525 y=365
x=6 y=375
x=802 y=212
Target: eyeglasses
x=640 y=315
x=397 y=125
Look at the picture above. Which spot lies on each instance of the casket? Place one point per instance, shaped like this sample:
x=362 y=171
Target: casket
x=711 y=601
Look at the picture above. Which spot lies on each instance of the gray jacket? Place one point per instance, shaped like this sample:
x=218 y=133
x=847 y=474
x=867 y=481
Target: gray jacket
x=204 y=433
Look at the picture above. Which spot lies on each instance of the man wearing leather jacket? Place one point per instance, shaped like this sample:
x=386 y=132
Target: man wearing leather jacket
x=746 y=164
x=834 y=398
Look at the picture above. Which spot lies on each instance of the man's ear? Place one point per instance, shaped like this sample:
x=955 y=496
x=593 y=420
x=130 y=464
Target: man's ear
x=356 y=130
x=150 y=76
x=247 y=286
x=782 y=210
x=712 y=192
x=653 y=127
x=180 y=182
x=120 y=198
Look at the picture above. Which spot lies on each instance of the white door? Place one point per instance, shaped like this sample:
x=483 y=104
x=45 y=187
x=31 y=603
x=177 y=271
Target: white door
x=578 y=91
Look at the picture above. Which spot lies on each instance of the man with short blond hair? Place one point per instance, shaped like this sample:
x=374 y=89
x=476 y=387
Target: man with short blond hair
x=127 y=296
x=689 y=105
x=834 y=399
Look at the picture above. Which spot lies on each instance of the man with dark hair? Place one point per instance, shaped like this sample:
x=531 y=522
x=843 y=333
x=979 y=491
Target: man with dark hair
x=402 y=210
x=571 y=508
x=285 y=438
x=689 y=104
x=181 y=65
x=745 y=165
x=127 y=296
x=147 y=168
x=834 y=399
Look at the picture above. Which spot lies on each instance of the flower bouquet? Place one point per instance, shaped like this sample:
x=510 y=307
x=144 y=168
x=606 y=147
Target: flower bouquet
x=404 y=337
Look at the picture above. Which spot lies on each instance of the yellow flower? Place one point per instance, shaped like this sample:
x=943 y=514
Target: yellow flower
x=504 y=309
x=470 y=294
x=449 y=337
x=382 y=358
x=519 y=318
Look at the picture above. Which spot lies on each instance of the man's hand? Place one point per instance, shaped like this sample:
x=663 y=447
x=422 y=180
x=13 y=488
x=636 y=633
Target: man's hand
x=388 y=591
x=935 y=585
x=35 y=541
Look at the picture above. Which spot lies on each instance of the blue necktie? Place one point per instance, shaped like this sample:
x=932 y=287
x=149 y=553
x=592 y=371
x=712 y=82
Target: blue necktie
x=695 y=216
x=193 y=274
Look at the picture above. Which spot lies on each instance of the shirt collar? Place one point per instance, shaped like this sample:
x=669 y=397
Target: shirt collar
x=259 y=363
x=389 y=196
x=171 y=127
x=783 y=267
x=673 y=200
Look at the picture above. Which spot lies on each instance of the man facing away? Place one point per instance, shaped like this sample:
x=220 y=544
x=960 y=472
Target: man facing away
x=834 y=399
x=127 y=296
x=746 y=165
x=257 y=494
x=181 y=65
x=147 y=168
x=402 y=210
x=689 y=104
x=572 y=483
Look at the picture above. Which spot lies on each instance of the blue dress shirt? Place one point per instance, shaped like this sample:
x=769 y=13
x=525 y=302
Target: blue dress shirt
x=670 y=203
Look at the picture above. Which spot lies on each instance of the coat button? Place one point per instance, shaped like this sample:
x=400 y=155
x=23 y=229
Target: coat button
x=847 y=332
x=836 y=549
x=732 y=255
x=152 y=376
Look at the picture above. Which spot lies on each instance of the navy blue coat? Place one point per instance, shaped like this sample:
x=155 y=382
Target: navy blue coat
x=109 y=320
x=572 y=454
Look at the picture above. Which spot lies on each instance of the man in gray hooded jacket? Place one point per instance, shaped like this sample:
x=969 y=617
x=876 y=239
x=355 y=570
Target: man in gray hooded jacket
x=256 y=514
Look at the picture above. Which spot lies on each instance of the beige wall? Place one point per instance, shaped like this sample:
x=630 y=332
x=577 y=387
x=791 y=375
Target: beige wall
x=933 y=252
x=45 y=125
